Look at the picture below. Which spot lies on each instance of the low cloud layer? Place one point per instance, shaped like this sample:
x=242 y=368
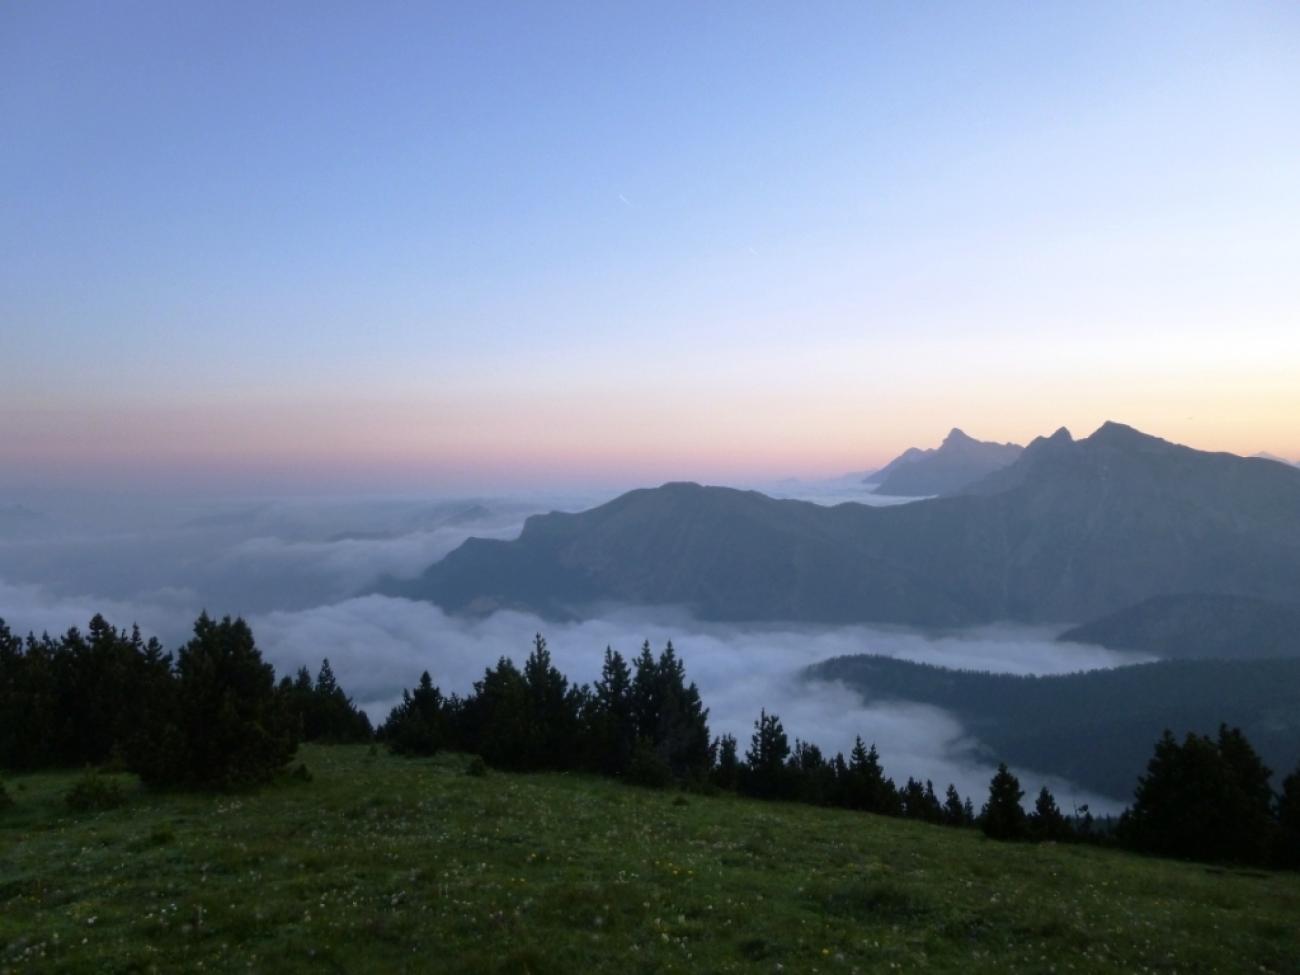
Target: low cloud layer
x=378 y=645
x=295 y=569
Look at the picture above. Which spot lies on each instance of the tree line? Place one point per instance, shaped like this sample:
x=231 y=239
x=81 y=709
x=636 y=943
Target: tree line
x=213 y=716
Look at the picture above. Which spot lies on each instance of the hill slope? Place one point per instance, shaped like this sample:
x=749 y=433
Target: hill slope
x=1198 y=626
x=382 y=864
x=1072 y=530
x=1097 y=728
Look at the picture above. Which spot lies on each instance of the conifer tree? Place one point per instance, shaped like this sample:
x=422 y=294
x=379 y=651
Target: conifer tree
x=227 y=726
x=416 y=726
x=954 y=813
x=612 y=723
x=765 y=769
x=1003 y=818
x=867 y=788
x=1202 y=799
x=726 y=773
x=1046 y=821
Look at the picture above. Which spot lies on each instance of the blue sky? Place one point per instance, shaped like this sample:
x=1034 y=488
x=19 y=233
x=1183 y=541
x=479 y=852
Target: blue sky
x=492 y=243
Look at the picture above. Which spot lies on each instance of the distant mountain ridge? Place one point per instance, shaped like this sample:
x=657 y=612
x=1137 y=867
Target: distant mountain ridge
x=1199 y=625
x=956 y=463
x=1071 y=531
x=1095 y=728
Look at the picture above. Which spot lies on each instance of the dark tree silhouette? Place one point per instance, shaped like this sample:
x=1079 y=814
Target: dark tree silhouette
x=954 y=813
x=226 y=725
x=765 y=773
x=1202 y=799
x=726 y=771
x=417 y=725
x=1003 y=818
x=1287 y=853
x=1047 y=822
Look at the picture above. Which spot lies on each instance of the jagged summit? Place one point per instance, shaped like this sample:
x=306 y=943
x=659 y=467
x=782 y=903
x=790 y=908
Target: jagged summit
x=958 y=461
x=1070 y=531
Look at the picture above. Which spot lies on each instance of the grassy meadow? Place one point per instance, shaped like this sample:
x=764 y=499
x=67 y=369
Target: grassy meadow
x=389 y=864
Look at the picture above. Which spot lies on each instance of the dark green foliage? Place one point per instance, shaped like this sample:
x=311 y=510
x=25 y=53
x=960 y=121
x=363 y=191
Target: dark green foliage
x=94 y=793
x=1046 y=822
x=322 y=710
x=955 y=812
x=416 y=725
x=1003 y=818
x=669 y=713
x=648 y=768
x=213 y=719
x=726 y=768
x=866 y=787
x=554 y=713
x=814 y=777
x=1203 y=799
x=6 y=801
x=611 y=721
x=79 y=699
x=1288 y=822
x=301 y=773
x=766 y=774
x=224 y=725
x=476 y=767
x=920 y=802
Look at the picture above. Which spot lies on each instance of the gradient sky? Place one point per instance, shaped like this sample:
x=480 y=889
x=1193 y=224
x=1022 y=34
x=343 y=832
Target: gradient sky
x=394 y=246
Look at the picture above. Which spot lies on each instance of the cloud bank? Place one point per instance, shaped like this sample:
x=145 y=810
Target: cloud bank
x=378 y=645
x=294 y=569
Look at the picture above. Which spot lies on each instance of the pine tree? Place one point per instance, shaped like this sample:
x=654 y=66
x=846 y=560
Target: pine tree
x=612 y=724
x=228 y=726
x=1250 y=798
x=954 y=813
x=765 y=772
x=867 y=788
x=1046 y=821
x=1002 y=817
x=812 y=777
x=498 y=717
x=1202 y=799
x=726 y=773
x=416 y=726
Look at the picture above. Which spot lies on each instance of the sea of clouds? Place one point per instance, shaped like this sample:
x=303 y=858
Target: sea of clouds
x=300 y=571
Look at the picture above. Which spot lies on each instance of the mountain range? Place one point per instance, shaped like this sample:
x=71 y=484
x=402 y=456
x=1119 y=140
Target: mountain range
x=955 y=464
x=1071 y=531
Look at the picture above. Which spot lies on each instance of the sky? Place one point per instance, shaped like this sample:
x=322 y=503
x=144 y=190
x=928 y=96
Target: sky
x=442 y=247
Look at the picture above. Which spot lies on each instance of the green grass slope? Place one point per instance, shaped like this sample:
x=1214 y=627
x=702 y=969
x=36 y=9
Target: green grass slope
x=384 y=864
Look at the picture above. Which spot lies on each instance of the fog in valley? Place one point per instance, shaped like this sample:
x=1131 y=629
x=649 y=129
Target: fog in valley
x=302 y=572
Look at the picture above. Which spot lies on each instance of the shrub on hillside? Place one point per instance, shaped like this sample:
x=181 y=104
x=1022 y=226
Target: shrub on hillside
x=94 y=793
x=648 y=768
x=5 y=800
